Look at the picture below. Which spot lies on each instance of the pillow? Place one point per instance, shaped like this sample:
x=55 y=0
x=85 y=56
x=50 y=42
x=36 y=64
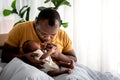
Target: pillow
x=2 y=65
x=0 y=68
x=16 y=69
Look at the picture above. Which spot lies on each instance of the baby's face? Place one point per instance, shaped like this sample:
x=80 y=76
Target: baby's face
x=36 y=46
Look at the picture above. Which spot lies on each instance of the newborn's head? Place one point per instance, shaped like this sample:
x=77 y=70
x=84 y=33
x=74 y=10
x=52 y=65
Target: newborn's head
x=30 y=46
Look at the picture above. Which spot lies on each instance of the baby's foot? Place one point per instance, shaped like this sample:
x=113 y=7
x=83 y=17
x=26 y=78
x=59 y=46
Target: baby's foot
x=69 y=71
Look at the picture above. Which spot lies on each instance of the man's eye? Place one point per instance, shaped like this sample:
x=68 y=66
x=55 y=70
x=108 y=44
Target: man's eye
x=53 y=34
x=43 y=34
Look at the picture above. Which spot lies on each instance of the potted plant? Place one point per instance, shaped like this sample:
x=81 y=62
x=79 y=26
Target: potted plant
x=24 y=12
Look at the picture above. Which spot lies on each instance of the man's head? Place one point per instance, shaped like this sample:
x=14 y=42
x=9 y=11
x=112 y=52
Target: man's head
x=47 y=24
x=50 y=14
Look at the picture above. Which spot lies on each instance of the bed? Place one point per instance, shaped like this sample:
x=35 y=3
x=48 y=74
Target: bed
x=3 y=38
x=18 y=70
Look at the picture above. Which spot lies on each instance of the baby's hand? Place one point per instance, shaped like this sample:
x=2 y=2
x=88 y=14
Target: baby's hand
x=52 y=50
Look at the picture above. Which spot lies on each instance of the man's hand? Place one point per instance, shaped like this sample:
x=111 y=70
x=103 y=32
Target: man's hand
x=55 y=51
x=50 y=48
x=31 y=58
x=65 y=57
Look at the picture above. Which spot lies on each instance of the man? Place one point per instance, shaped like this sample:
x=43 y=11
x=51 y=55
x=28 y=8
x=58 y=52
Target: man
x=46 y=28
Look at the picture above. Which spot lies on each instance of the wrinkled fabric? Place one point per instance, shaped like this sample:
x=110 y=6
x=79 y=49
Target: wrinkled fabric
x=18 y=70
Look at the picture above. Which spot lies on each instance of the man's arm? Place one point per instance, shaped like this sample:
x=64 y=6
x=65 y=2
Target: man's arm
x=49 y=52
x=65 y=57
x=70 y=55
x=9 y=52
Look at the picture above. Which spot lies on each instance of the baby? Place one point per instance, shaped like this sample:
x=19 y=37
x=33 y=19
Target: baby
x=50 y=67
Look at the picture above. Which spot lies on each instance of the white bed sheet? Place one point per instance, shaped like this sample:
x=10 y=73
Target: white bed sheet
x=18 y=70
x=2 y=65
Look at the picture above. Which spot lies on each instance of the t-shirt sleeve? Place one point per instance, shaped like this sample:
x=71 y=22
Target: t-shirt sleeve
x=67 y=43
x=14 y=36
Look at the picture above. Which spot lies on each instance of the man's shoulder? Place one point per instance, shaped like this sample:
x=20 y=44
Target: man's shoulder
x=61 y=31
x=24 y=24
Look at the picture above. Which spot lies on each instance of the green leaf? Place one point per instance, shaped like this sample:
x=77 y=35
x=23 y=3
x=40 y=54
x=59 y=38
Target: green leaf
x=14 y=11
x=58 y=3
x=46 y=1
x=65 y=25
x=6 y=12
x=20 y=21
x=22 y=11
x=41 y=8
x=66 y=3
x=55 y=2
x=27 y=14
x=13 y=5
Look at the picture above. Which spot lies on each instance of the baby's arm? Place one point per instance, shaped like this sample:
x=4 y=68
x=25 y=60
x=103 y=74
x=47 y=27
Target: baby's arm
x=48 y=53
x=45 y=55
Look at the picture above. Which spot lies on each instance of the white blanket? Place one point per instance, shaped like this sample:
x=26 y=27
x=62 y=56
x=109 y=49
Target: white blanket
x=18 y=70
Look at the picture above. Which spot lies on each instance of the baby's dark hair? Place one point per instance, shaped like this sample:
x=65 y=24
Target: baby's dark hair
x=48 y=13
x=26 y=47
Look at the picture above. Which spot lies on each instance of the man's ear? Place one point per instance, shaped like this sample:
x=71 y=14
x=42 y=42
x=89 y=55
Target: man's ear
x=60 y=22
x=36 y=18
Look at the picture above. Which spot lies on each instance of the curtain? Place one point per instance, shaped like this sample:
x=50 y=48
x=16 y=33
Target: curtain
x=5 y=22
x=96 y=34
x=94 y=28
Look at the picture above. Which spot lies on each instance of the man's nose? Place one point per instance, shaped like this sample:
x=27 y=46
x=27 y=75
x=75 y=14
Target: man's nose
x=48 y=37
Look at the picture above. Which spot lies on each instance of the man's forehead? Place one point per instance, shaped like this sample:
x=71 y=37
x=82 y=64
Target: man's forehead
x=47 y=22
x=49 y=30
x=45 y=27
